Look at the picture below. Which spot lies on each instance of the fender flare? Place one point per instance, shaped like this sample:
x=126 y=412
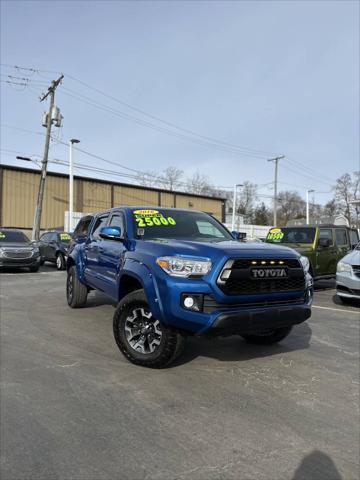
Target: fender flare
x=144 y=276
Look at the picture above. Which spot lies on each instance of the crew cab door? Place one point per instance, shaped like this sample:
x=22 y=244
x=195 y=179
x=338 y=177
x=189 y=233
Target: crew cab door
x=93 y=248
x=111 y=256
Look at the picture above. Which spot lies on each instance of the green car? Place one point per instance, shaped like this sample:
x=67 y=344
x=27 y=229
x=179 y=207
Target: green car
x=323 y=245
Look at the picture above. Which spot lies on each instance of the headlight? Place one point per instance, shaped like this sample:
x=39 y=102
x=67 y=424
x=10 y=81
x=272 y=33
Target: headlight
x=343 y=267
x=305 y=263
x=184 y=267
x=36 y=251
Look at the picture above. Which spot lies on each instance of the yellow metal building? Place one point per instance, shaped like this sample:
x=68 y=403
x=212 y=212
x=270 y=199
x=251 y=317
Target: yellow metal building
x=19 y=189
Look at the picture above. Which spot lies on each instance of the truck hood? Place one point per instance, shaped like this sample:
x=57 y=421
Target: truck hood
x=231 y=248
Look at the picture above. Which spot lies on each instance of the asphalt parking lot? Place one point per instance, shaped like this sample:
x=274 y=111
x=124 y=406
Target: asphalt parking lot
x=72 y=408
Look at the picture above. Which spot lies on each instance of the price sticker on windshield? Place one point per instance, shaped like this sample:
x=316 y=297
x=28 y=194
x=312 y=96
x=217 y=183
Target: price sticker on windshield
x=275 y=235
x=152 y=218
x=64 y=236
x=2 y=235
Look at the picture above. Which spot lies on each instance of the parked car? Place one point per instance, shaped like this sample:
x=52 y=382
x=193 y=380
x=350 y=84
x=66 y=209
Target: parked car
x=17 y=251
x=53 y=248
x=179 y=272
x=348 y=276
x=323 y=245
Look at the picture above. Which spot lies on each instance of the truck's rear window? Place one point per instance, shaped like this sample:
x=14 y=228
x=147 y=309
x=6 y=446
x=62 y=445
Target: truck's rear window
x=177 y=224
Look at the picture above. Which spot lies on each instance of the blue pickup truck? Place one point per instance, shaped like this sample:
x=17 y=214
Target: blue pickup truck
x=177 y=272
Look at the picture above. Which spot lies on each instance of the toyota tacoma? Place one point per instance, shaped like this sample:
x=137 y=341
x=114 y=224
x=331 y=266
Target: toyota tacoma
x=177 y=272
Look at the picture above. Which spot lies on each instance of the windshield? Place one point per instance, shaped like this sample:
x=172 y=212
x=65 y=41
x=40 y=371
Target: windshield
x=13 y=236
x=291 y=235
x=178 y=224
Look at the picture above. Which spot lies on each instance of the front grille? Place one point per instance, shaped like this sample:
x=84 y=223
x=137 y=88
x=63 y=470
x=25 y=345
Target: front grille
x=210 y=304
x=238 y=279
x=15 y=254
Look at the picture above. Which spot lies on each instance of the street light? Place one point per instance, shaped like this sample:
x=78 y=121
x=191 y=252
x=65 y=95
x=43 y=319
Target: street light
x=307 y=205
x=71 y=184
x=27 y=159
x=234 y=205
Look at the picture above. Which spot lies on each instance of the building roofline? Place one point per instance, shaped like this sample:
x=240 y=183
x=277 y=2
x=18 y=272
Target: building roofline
x=110 y=182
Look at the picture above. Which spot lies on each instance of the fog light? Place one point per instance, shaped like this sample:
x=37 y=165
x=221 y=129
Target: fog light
x=188 y=302
x=192 y=302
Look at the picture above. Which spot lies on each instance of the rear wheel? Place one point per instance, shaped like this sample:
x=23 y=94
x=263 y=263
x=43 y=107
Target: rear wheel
x=76 y=292
x=267 y=337
x=60 y=261
x=143 y=339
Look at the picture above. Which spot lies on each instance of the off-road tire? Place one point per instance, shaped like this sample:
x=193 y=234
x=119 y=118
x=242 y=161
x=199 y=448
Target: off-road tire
x=171 y=343
x=268 y=338
x=60 y=261
x=76 y=292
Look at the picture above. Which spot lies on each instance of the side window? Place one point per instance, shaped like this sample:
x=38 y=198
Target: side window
x=82 y=227
x=354 y=237
x=53 y=237
x=341 y=237
x=45 y=238
x=327 y=234
x=100 y=222
x=117 y=220
x=206 y=228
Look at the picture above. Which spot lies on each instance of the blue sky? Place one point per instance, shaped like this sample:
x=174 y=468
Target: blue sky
x=278 y=77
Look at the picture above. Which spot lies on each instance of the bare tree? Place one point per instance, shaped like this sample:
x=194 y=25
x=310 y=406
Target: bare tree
x=148 y=179
x=171 y=177
x=248 y=197
x=346 y=189
x=199 y=184
x=292 y=206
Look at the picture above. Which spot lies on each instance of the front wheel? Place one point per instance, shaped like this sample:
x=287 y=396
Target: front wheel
x=76 y=292
x=60 y=261
x=267 y=337
x=143 y=339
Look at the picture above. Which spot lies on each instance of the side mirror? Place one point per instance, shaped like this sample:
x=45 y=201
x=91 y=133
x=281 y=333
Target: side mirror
x=110 y=233
x=241 y=236
x=324 y=242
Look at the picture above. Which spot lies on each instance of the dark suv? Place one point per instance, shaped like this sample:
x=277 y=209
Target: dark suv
x=180 y=272
x=17 y=251
x=54 y=247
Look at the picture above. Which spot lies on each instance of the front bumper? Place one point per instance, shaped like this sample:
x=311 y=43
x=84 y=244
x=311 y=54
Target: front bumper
x=19 y=262
x=261 y=319
x=348 y=285
x=240 y=314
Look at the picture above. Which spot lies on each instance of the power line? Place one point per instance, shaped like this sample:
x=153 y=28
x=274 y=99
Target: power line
x=244 y=150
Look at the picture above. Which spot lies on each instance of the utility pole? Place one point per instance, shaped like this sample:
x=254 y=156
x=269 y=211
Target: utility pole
x=276 y=160
x=71 y=184
x=49 y=120
x=307 y=206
